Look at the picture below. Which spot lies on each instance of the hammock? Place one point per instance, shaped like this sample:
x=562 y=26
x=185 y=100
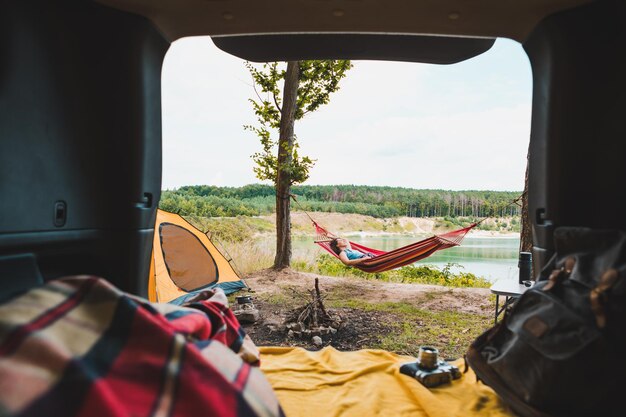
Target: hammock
x=384 y=261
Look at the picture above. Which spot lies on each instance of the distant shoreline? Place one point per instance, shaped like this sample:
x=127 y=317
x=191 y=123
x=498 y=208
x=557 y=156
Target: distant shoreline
x=474 y=234
x=344 y=224
x=360 y=225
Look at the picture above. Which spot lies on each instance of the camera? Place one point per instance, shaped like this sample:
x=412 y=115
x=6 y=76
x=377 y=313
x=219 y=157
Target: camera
x=429 y=370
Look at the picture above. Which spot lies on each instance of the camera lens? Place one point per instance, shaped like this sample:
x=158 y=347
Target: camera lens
x=427 y=357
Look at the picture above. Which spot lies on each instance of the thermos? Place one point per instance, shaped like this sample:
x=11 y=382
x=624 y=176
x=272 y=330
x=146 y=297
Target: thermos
x=525 y=266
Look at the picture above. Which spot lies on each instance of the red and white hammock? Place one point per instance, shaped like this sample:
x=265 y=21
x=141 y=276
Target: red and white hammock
x=384 y=261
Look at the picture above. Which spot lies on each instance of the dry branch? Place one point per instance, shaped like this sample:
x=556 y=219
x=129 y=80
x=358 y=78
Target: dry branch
x=313 y=314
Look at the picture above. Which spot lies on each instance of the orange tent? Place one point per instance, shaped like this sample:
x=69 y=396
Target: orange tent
x=184 y=261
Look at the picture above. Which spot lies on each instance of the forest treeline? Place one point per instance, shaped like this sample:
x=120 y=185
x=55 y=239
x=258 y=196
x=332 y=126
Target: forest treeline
x=375 y=201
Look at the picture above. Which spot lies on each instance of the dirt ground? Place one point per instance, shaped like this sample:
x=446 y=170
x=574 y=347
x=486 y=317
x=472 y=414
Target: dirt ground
x=371 y=312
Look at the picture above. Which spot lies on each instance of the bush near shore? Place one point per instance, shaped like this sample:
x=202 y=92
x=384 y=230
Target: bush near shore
x=422 y=274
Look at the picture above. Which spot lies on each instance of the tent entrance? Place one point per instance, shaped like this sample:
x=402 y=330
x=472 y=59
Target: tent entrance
x=188 y=262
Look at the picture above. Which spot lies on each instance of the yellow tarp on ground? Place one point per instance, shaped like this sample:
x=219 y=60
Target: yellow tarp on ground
x=330 y=383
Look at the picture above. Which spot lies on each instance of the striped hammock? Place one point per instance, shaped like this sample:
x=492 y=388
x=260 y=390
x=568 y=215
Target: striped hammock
x=384 y=261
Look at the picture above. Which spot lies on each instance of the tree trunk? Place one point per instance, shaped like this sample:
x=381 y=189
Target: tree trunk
x=526 y=235
x=285 y=156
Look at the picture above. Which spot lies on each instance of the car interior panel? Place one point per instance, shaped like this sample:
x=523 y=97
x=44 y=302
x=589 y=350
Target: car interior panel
x=80 y=109
x=81 y=179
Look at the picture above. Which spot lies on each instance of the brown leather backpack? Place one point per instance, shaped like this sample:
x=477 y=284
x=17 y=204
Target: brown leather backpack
x=561 y=350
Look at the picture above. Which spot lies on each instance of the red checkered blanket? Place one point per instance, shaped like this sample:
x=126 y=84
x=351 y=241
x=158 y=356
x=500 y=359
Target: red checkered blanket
x=80 y=347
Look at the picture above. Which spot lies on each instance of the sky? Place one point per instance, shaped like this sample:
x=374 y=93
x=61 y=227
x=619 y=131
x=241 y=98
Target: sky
x=464 y=126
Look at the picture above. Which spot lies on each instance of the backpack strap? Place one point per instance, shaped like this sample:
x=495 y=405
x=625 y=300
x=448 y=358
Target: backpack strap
x=598 y=296
x=559 y=275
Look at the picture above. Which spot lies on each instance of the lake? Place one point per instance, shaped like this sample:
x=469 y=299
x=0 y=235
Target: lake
x=490 y=257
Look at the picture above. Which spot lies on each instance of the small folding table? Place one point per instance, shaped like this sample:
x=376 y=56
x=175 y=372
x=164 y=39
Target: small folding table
x=510 y=289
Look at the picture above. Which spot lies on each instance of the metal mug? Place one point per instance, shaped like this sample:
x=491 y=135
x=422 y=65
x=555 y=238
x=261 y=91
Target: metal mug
x=525 y=265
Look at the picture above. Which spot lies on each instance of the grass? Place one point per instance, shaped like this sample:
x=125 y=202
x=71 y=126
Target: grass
x=281 y=299
x=423 y=274
x=247 y=256
x=449 y=331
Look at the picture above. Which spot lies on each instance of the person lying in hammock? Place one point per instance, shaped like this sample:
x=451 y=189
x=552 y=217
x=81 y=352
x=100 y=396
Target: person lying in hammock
x=346 y=254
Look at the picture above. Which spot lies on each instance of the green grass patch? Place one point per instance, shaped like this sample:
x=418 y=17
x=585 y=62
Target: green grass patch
x=449 y=331
x=280 y=299
x=423 y=274
x=410 y=324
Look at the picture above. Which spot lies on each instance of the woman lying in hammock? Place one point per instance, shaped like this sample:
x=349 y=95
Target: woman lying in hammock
x=346 y=254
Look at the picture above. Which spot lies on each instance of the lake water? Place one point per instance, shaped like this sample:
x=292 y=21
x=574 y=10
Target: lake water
x=490 y=257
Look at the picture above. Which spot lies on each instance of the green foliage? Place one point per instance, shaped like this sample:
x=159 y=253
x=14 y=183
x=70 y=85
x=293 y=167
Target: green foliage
x=317 y=81
x=419 y=203
x=422 y=274
x=379 y=202
x=208 y=206
x=229 y=229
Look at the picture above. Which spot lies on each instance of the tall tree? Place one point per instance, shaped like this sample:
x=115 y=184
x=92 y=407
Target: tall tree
x=306 y=86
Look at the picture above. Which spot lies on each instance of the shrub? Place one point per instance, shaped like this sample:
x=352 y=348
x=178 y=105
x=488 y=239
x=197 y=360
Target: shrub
x=423 y=274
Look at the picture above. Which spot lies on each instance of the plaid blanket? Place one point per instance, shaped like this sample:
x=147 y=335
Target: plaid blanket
x=80 y=347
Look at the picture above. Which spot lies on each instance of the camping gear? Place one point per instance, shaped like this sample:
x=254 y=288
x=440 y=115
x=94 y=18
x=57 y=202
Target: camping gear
x=429 y=369
x=525 y=265
x=368 y=383
x=385 y=261
x=185 y=261
x=560 y=350
x=244 y=299
x=245 y=311
x=78 y=346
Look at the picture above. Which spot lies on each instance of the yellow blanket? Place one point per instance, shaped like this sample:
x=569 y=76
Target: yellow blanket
x=367 y=383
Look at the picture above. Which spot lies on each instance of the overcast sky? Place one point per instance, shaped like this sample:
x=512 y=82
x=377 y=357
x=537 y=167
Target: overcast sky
x=457 y=127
